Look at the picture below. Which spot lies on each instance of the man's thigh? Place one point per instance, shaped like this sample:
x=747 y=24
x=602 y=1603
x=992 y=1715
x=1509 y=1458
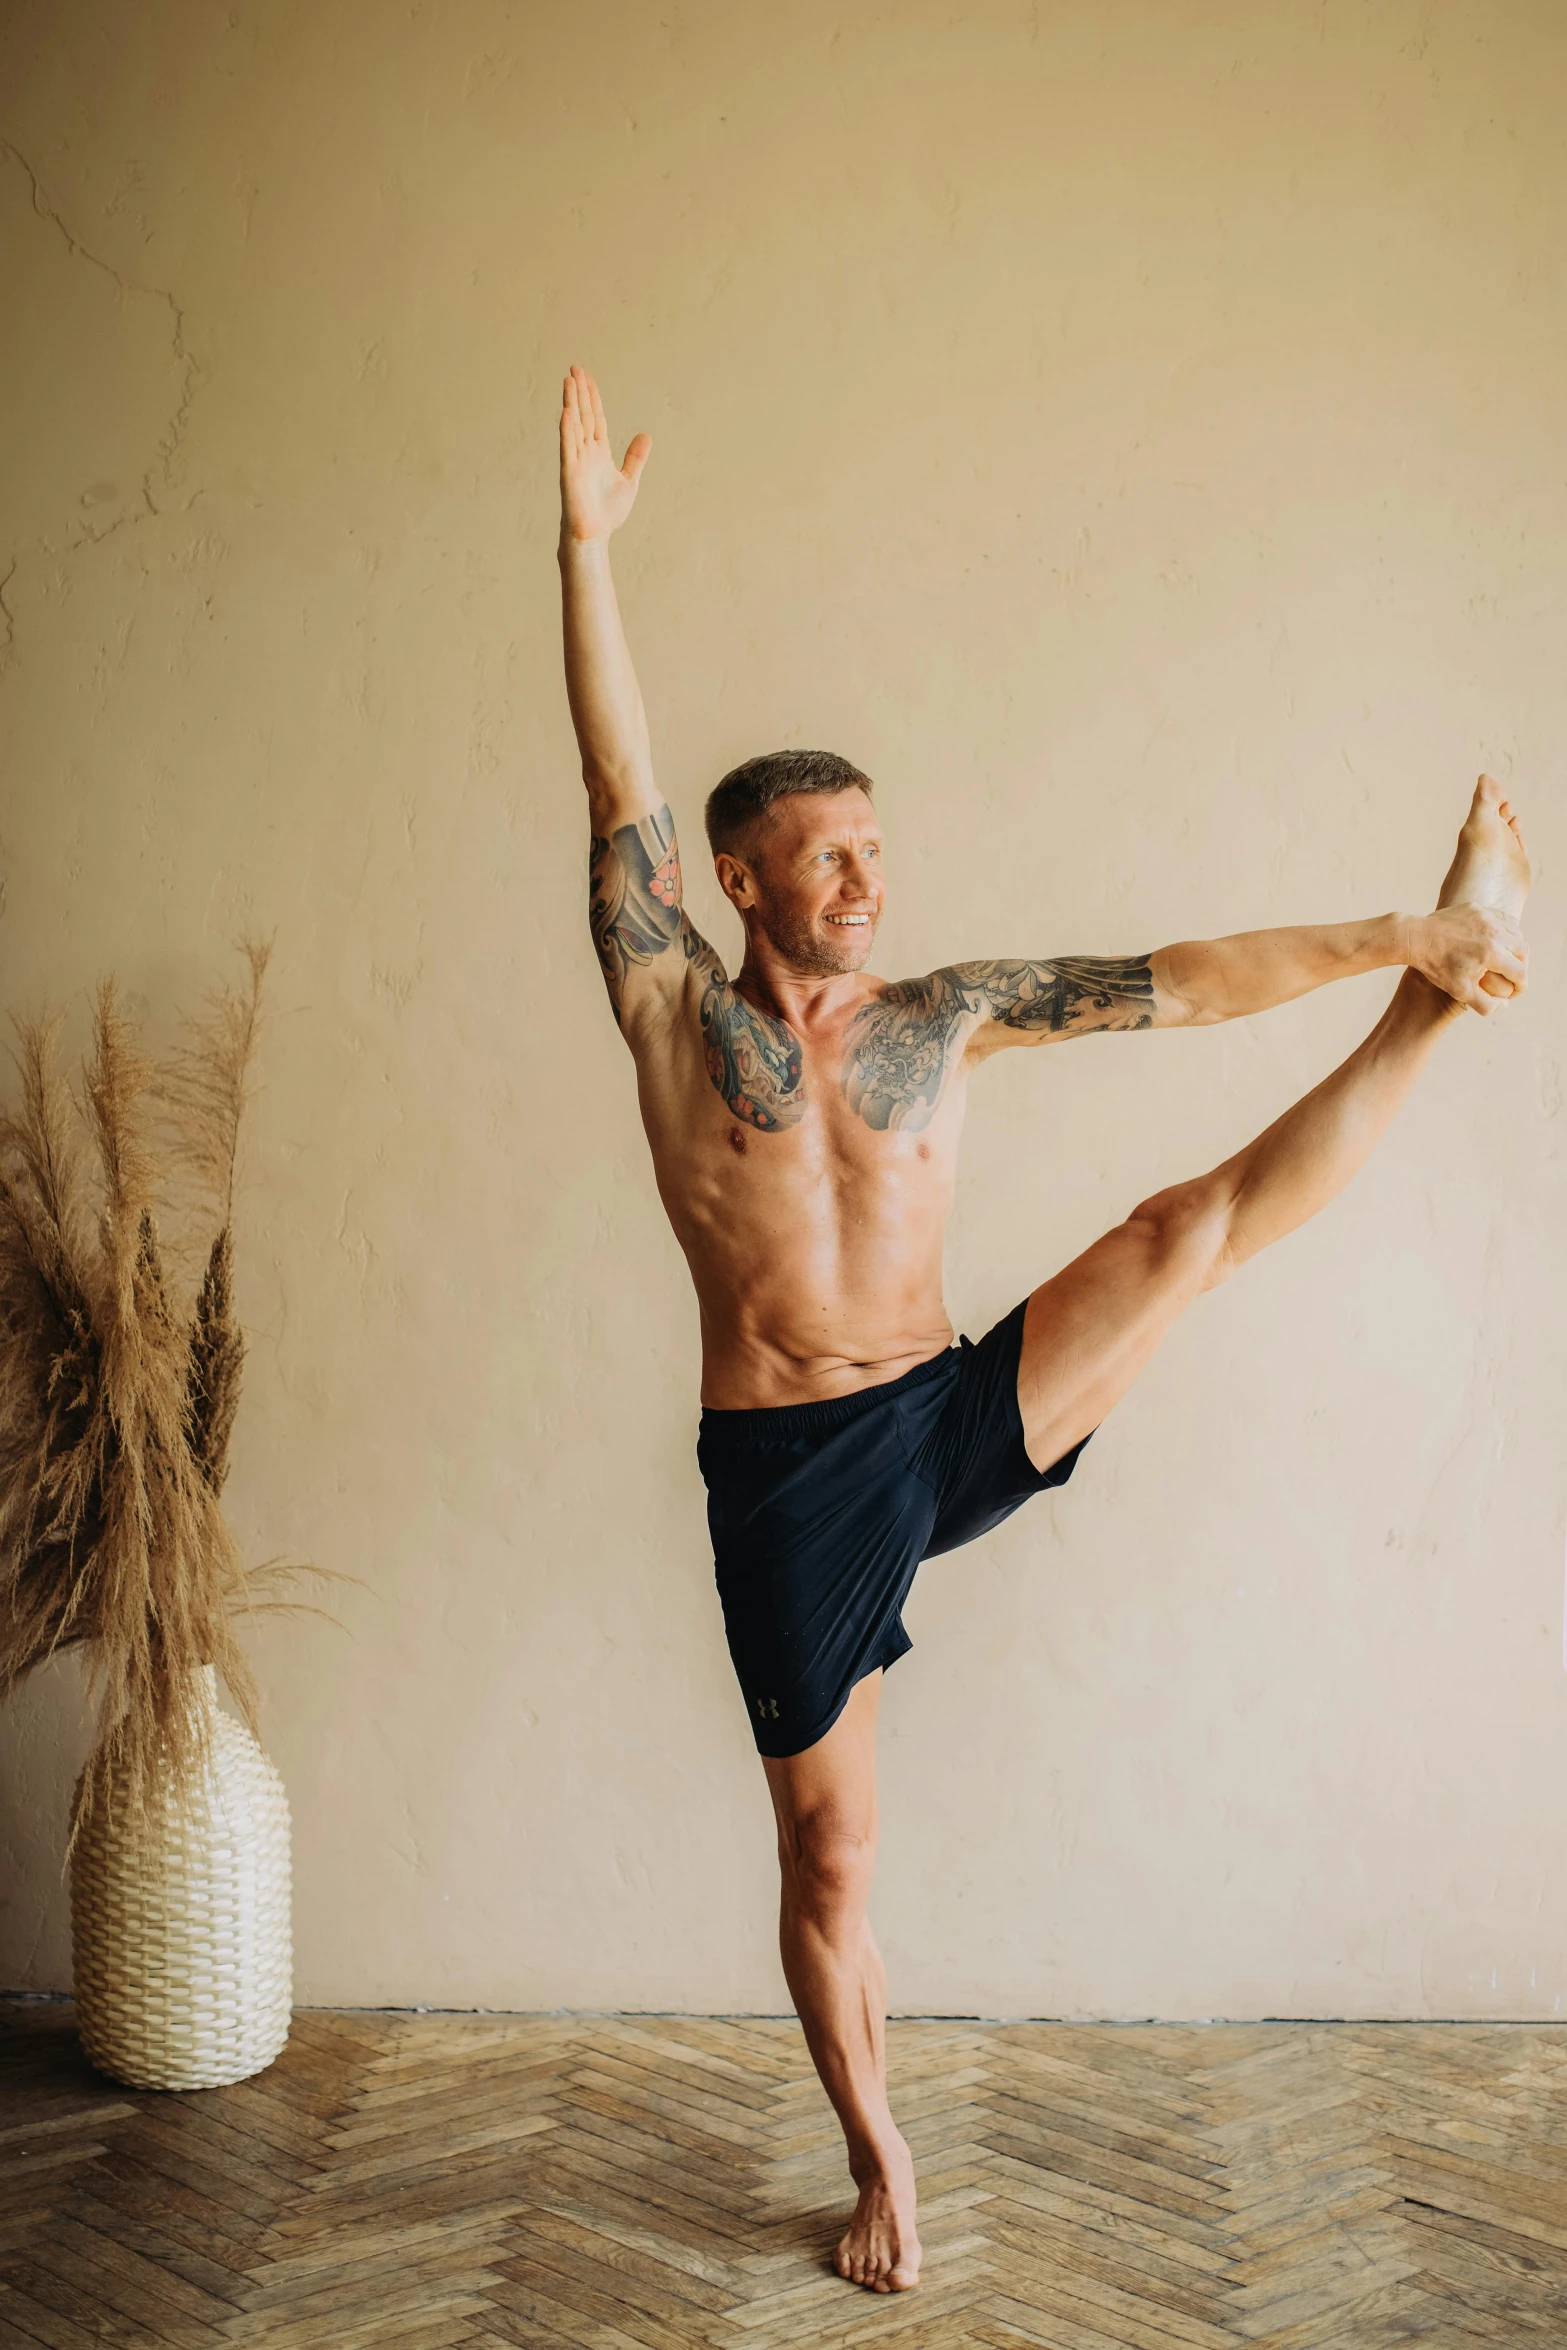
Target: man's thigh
x=1089 y=1330
x=829 y=1791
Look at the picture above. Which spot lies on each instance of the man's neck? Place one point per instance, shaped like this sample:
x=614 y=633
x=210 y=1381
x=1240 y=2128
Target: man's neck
x=805 y=999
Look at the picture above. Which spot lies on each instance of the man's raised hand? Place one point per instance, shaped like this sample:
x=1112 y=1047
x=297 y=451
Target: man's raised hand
x=596 y=494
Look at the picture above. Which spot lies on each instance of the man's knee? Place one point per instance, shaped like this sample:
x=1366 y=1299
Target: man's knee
x=1186 y=1232
x=827 y=1864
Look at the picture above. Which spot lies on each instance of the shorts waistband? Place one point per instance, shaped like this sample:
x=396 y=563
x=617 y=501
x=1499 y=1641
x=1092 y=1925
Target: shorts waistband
x=779 y=1422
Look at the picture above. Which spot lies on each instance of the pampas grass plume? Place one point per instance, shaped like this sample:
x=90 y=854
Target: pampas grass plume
x=117 y=1402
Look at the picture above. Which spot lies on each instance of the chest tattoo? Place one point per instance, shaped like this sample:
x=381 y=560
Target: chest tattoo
x=753 y=1060
x=897 y=1050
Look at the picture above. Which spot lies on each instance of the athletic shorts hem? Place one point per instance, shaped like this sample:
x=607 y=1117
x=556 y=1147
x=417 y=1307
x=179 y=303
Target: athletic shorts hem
x=777 y=1749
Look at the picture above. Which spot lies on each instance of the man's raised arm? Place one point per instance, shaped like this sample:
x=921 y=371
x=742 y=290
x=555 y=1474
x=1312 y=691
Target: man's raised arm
x=634 y=893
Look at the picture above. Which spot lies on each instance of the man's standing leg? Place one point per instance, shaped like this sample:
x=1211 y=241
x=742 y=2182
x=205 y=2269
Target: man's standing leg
x=825 y=1802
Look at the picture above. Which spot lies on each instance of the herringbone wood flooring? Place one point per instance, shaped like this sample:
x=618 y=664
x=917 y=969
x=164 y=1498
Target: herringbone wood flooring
x=424 y=2181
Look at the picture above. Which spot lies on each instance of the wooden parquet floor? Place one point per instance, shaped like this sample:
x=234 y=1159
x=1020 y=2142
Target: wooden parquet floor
x=632 y=2183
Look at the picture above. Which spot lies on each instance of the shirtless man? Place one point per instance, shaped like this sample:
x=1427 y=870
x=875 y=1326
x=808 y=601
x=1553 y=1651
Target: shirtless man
x=804 y=1121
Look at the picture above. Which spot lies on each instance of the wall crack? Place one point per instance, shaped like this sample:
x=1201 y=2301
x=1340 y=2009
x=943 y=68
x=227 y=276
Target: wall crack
x=193 y=374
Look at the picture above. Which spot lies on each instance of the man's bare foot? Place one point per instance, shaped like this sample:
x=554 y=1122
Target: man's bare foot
x=880 y=2249
x=1490 y=865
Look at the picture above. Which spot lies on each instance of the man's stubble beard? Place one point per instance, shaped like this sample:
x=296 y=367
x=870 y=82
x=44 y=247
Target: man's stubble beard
x=805 y=950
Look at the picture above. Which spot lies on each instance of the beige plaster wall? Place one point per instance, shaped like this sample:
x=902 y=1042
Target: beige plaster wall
x=1135 y=432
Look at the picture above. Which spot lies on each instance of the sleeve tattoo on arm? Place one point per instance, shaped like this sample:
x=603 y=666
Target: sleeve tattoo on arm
x=636 y=912
x=1071 y=995
x=900 y=1046
x=634 y=896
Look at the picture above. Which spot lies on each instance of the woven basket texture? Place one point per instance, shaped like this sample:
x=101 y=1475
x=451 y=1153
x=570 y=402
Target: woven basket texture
x=180 y=1930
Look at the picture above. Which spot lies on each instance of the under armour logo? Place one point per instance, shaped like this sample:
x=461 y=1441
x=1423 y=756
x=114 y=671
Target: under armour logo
x=767 y=1707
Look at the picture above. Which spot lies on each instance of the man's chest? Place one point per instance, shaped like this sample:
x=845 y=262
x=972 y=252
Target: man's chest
x=776 y=1146
x=889 y=1063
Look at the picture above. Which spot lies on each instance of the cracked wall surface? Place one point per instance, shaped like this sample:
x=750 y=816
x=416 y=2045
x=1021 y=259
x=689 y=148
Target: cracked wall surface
x=91 y=420
x=1134 y=434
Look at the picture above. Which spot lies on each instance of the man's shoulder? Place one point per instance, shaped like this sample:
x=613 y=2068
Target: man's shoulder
x=941 y=996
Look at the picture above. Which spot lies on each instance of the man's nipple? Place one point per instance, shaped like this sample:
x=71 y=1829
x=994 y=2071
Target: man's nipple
x=737 y=1140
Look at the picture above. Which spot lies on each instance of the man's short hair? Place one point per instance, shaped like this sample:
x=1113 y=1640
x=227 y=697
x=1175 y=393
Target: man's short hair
x=747 y=792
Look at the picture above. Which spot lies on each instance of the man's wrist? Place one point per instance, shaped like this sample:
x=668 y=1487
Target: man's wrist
x=1403 y=933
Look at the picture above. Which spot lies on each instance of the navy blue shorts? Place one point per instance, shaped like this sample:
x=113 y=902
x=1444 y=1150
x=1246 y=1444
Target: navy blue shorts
x=821 y=1512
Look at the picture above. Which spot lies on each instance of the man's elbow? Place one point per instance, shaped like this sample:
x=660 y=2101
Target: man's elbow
x=616 y=796
x=1184 y=994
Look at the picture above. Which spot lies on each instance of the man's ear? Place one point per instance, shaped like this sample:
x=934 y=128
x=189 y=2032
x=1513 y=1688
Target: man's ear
x=735 y=880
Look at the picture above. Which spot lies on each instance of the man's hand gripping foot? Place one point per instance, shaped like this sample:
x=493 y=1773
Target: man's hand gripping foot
x=880 y=2249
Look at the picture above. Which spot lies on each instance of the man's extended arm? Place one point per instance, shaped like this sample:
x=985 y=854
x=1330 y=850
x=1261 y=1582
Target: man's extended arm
x=1198 y=981
x=1202 y=980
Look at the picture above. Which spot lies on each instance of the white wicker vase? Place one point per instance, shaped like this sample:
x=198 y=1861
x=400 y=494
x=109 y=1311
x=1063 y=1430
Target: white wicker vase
x=180 y=1931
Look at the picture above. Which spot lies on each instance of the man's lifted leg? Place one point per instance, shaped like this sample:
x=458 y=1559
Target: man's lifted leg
x=1089 y=1331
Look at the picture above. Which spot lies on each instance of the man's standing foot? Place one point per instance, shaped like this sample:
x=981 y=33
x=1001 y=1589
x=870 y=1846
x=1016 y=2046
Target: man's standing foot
x=880 y=2249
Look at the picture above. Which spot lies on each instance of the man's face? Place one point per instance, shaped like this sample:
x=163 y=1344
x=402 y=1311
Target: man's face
x=811 y=880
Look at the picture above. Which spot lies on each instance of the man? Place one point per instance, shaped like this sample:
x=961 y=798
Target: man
x=804 y=1121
